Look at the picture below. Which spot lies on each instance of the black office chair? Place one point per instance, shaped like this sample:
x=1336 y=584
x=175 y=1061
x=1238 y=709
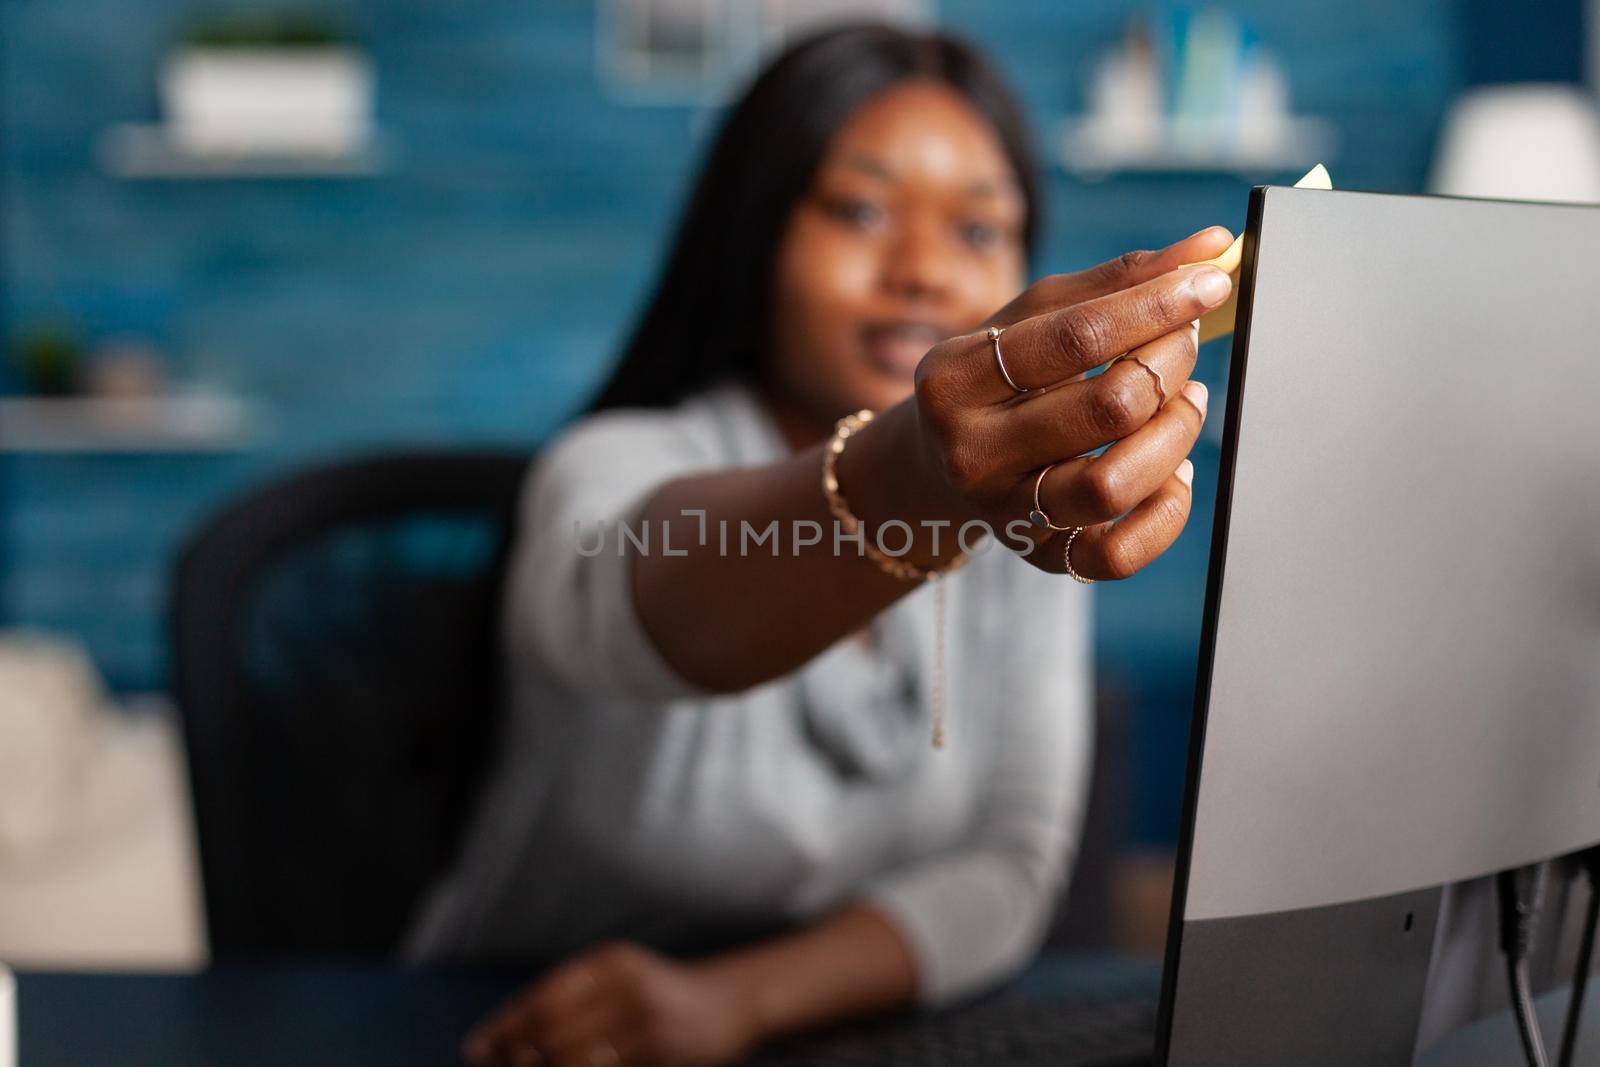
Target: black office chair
x=335 y=665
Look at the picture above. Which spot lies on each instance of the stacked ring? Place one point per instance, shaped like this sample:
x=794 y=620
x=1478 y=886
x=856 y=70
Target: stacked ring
x=1040 y=519
x=1161 y=384
x=1066 y=558
x=1037 y=516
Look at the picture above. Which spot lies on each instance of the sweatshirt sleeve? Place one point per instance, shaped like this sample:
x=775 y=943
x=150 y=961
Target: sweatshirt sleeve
x=569 y=595
x=974 y=915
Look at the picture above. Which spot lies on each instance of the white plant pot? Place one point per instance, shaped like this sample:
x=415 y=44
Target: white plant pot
x=226 y=101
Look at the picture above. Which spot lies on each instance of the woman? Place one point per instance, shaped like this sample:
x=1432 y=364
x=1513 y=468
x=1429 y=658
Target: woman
x=716 y=808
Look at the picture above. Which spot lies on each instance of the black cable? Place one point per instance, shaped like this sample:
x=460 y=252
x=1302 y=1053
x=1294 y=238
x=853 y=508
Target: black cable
x=1517 y=914
x=1580 y=980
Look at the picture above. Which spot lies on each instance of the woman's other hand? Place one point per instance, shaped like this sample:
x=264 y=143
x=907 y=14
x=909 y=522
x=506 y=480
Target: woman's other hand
x=984 y=443
x=618 y=1006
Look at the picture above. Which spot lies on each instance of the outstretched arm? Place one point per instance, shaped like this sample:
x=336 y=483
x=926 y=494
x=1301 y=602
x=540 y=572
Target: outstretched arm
x=965 y=447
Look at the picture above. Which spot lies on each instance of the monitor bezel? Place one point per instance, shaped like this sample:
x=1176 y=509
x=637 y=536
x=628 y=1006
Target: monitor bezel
x=1237 y=368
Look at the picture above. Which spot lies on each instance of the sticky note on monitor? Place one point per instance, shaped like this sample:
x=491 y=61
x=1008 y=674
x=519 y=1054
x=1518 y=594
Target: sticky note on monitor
x=1219 y=323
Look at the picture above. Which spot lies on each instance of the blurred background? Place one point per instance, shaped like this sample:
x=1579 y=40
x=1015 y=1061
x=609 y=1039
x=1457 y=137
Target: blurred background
x=236 y=239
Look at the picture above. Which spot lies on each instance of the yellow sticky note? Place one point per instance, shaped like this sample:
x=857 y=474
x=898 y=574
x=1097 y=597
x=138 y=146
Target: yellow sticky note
x=1219 y=322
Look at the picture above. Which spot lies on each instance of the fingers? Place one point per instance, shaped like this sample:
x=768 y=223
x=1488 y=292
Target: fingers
x=515 y=1034
x=1092 y=490
x=585 y=1013
x=606 y=1040
x=1082 y=416
x=1121 y=549
x=495 y=1040
x=601 y=1037
x=586 y=1036
x=596 y=1033
x=1112 y=276
x=1060 y=345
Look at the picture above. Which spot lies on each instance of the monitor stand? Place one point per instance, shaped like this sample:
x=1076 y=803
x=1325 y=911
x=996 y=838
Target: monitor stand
x=1297 y=986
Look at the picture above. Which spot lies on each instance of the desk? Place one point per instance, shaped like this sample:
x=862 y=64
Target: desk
x=244 y=1017
x=313 y=1015
x=349 y=1015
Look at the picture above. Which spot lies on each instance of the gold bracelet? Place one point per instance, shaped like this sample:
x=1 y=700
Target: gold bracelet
x=905 y=570
x=843 y=430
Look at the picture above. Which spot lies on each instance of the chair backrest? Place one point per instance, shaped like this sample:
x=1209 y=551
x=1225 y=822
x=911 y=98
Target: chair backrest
x=336 y=667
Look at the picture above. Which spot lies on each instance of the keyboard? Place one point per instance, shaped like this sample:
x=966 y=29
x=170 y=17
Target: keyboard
x=1012 y=1030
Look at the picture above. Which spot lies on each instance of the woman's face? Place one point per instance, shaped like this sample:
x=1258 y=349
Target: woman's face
x=910 y=233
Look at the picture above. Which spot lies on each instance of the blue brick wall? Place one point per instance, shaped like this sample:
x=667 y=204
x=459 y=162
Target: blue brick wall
x=480 y=288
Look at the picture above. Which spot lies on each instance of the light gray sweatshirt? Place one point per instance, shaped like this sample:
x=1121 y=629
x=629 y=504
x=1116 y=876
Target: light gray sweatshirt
x=623 y=802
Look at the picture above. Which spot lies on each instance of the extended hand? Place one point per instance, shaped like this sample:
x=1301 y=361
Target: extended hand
x=986 y=443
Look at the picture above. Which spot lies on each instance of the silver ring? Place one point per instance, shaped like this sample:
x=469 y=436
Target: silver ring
x=1037 y=515
x=1066 y=557
x=994 y=333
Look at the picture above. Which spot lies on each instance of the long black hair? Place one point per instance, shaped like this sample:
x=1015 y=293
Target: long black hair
x=707 y=318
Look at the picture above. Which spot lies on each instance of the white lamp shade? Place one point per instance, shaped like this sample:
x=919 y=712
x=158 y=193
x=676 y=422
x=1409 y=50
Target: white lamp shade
x=1521 y=142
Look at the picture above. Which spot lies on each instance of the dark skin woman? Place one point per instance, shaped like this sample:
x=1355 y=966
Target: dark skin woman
x=866 y=213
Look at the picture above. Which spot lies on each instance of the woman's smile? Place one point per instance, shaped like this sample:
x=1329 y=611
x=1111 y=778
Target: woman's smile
x=895 y=346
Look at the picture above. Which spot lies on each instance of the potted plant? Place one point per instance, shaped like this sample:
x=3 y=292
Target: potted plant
x=250 y=83
x=48 y=359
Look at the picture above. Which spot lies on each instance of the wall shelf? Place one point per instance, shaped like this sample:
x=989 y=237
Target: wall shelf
x=1094 y=148
x=198 y=423
x=150 y=151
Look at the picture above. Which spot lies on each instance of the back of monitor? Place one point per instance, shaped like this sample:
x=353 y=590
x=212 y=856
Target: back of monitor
x=1400 y=677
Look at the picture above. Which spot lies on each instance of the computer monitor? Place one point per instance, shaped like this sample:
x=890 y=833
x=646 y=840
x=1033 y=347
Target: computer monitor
x=1399 y=681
